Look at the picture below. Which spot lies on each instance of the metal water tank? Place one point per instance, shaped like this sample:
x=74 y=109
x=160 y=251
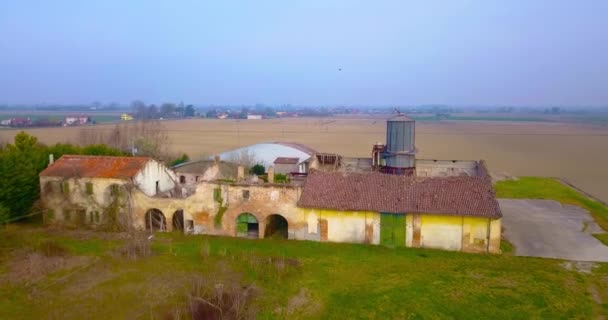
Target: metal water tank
x=400 y=146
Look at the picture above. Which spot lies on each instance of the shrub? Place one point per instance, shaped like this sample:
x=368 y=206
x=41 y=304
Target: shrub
x=183 y=159
x=281 y=178
x=4 y=215
x=89 y=186
x=257 y=170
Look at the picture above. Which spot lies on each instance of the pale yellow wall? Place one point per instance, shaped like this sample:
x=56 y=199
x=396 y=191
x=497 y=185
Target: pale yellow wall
x=441 y=232
x=470 y=234
x=345 y=226
x=409 y=230
x=495 y=235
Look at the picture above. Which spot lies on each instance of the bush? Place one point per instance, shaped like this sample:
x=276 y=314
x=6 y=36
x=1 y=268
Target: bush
x=281 y=178
x=4 y=215
x=183 y=159
x=257 y=170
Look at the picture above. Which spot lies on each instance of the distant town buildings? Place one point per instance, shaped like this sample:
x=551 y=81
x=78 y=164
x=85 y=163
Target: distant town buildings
x=76 y=120
x=17 y=122
x=254 y=117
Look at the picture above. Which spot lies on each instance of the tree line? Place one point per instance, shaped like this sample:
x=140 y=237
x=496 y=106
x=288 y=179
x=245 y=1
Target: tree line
x=165 y=110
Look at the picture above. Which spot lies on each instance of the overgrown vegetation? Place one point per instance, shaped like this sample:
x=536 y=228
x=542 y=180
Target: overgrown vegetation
x=20 y=164
x=184 y=275
x=506 y=247
x=281 y=178
x=257 y=169
x=217 y=197
x=182 y=159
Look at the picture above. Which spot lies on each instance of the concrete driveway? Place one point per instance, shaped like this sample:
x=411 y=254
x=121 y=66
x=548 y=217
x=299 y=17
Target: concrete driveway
x=546 y=228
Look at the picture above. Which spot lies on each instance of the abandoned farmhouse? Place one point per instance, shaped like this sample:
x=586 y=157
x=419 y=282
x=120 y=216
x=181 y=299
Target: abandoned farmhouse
x=390 y=198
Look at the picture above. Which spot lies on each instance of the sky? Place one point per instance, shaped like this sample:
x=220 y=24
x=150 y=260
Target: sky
x=456 y=52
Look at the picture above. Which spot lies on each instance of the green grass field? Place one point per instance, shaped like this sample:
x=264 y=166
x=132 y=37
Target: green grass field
x=552 y=189
x=62 y=274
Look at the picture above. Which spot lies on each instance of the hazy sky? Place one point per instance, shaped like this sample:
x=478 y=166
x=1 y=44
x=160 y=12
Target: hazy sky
x=515 y=52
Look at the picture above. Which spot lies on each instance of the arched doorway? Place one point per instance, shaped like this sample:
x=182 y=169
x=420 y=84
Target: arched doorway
x=178 y=220
x=155 y=220
x=276 y=227
x=247 y=226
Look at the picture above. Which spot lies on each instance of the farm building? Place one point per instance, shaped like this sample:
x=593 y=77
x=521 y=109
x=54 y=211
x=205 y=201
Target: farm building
x=192 y=172
x=267 y=153
x=391 y=198
x=455 y=213
x=76 y=120
x=86 y=190
x=286 y=165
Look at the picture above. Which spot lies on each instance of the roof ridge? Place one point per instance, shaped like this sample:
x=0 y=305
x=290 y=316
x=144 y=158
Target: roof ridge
x=92 y=166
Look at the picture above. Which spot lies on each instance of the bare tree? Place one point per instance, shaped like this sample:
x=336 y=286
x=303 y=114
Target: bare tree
x=142 y=138
x=245 y=157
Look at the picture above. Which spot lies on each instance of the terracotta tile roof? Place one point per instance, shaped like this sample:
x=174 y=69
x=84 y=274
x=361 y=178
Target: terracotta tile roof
x=461 y=196
x=95 y=167
x=286 y=160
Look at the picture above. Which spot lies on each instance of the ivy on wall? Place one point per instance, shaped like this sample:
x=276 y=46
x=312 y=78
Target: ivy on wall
x=217 y=197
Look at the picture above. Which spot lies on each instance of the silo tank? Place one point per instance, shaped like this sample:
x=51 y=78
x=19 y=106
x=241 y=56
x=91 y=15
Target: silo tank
x=400 y=135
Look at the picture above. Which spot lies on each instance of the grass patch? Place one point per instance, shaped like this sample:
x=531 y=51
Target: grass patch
x=293 y=280
x=551 y=189
x=506 y=247
x=603 y=237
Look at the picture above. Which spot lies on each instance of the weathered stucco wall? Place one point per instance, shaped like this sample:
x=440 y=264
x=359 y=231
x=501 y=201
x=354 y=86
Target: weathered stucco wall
x=283 y=168
x=441 y=232
x=203 y=207
x=215 y=207
x=469 y=234
x=342 y=226
x=154 y=172
x=67 y=199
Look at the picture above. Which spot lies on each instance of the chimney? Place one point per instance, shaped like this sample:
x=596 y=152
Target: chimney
x=51 y=159
x=240 y=173
x=270 y=174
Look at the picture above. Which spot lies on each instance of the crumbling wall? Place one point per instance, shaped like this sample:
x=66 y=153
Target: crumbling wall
x=261 y=201
x=146 y=179
x=446 y=168
x=80 y=201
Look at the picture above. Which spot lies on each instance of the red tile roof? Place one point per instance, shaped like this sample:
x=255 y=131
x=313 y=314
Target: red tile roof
x=286 y=160
x=460 y=196
x=95 y=167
